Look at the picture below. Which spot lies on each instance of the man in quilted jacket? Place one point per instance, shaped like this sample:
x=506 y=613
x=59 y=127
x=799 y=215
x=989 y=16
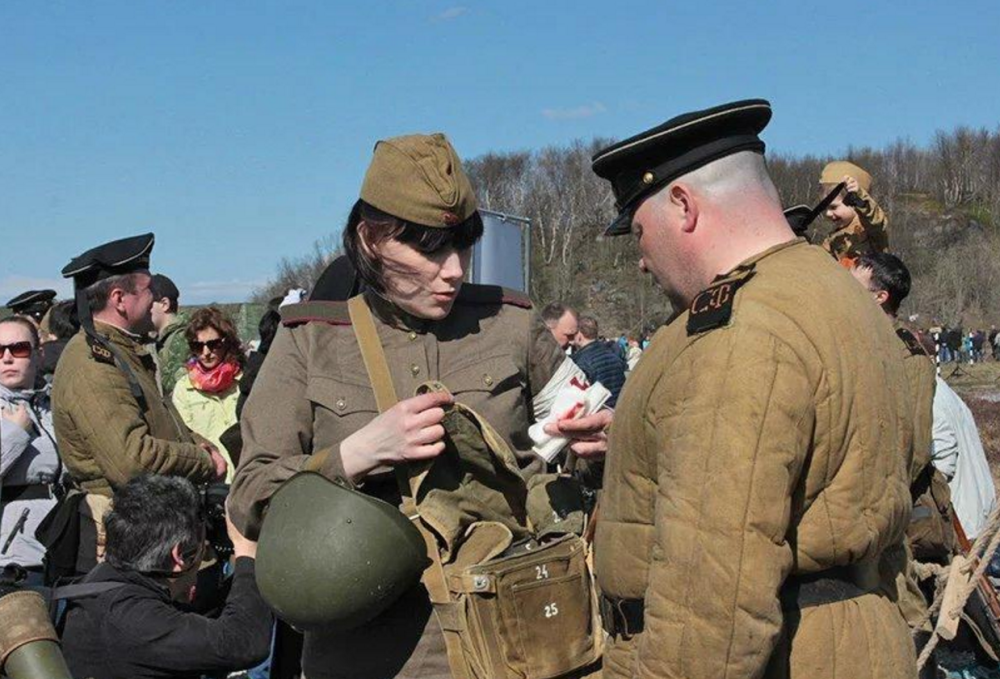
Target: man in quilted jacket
x=756 y=469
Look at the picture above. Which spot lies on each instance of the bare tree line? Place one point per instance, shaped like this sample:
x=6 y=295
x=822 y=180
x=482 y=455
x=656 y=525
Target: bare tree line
x=943 y=202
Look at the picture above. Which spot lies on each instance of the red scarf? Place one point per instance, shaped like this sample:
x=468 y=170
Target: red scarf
x=214 y=381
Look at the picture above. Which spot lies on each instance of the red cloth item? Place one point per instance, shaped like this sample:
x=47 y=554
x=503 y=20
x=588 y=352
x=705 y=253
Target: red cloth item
x=214 y=381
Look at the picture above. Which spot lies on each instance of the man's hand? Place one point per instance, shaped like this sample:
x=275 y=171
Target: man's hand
x=18 y=414
x=588 y=435
x=851 y=184
x=217 y=460
x=241 y=546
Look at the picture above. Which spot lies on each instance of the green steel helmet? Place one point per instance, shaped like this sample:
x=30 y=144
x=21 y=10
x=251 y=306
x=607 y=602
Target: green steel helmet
x=333 y=558
x=29 y=645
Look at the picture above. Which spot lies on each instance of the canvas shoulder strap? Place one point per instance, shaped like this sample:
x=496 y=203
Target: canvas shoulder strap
x=377 y=367
x=372 y=353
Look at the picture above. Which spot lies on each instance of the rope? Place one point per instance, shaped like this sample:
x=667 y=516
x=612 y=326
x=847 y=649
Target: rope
x=990 y=537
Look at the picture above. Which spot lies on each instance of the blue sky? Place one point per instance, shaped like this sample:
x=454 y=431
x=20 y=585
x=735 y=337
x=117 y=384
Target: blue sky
x=239 y=131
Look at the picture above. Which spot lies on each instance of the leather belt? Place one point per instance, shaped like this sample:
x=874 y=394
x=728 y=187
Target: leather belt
x=622 y=617
x=34 y=491
x=818 y=589
x=626 y=617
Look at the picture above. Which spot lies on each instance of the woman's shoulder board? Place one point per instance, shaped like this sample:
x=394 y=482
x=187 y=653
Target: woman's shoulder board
x=472 y=293
x=331 y=313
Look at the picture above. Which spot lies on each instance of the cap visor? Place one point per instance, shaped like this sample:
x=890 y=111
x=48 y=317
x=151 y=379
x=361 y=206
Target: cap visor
x=621 y=225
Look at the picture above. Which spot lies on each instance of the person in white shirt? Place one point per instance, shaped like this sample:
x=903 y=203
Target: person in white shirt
x=958 y=454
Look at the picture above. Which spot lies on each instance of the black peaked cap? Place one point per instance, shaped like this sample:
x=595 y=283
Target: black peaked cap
x=111 y=259
x=30 y=299
x=639 y=165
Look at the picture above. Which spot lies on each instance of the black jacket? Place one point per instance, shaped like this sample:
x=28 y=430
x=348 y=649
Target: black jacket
x=137 y=631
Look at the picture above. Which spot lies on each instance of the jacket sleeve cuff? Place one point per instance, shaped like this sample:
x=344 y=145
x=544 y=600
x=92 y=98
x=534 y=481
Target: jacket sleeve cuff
x=329 y=463
x=244 y=564
x=867 y=207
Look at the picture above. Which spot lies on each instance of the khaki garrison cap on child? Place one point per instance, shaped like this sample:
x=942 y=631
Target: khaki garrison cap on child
x=835 y=172
x=419 y=178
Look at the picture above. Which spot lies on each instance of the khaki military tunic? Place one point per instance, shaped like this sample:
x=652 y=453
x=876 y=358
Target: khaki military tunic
x=867 y=233
x=900 y=579
x=494 y=354
x=921 y=376
x=105 y=436
x=761 y=438
x=930 y=532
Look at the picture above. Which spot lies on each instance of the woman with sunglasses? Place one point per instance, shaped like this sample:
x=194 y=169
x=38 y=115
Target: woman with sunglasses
x=206 y=395
x=410 y=238
x=29 y=459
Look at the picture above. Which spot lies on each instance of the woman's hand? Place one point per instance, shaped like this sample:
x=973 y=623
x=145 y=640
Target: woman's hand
x=588 y=435
x=18 y=414
x=410 y=430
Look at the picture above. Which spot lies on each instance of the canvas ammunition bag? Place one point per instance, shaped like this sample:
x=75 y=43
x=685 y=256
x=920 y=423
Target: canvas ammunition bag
x=509 y=575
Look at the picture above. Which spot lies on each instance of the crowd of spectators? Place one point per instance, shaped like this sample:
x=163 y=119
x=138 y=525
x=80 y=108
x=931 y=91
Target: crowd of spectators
x=157 y=611
x=957 y=345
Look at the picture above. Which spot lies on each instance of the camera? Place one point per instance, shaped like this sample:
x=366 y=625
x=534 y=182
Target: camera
x=213 y=507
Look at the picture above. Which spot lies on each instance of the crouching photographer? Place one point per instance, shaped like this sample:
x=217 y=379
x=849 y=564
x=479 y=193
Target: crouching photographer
x=136 y=620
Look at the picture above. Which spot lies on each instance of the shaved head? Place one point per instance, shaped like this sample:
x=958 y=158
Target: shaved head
x=738 y=176
x=707 y=221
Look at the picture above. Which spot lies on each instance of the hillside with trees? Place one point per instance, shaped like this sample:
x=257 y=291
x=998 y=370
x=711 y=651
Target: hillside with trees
x=943 y=203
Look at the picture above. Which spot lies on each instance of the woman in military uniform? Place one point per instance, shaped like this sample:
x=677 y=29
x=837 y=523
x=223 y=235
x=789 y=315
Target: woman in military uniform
x=410 y=238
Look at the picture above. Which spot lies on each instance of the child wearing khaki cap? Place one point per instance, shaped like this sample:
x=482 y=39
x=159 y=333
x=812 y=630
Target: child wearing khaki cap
x=860 y=225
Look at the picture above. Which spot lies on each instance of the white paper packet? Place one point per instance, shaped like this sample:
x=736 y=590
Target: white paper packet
x=572 y=402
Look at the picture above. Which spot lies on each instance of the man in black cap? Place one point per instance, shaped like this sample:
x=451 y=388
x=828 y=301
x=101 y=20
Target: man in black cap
x=171 y=346
x=755 y=472
x=34 y=304
x=111 y=420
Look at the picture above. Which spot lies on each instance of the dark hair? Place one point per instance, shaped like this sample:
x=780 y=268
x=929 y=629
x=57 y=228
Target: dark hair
x=889 y=274
x=587 y=326
x=63 y=322
x=27 y=323
x=149 y=516
x=99 y=293
x=163 y=287
x=381 y=226
x=213 y=317
x=554 y=311
x=268 y=328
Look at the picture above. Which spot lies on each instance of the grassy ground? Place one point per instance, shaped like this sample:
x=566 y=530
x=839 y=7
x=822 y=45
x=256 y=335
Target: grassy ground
x=979 y=387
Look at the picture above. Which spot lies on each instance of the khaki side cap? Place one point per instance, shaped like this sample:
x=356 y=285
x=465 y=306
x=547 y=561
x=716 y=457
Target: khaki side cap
x=419 y=178
x=835 y=172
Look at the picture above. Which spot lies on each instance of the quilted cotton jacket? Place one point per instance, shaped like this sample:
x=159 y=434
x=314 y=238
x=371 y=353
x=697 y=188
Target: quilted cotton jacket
x=750 y=448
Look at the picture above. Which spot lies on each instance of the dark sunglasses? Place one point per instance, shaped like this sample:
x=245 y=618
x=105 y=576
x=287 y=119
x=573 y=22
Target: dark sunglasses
x=17 y=349
x=213 y=345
